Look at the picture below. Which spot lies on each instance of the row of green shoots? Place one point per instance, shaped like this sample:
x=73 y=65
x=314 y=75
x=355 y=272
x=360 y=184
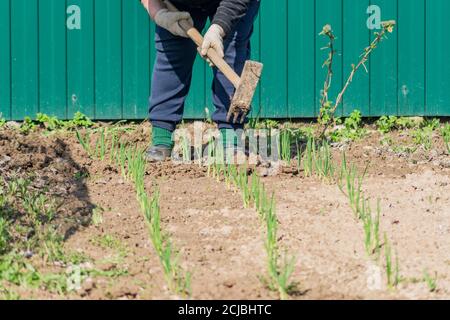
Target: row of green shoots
x=317 y=160
x=280 y=264
x=132 y=164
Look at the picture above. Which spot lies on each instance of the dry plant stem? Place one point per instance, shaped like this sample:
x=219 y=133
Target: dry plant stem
x=387 y=27
x=329 y=63
x=365 y=57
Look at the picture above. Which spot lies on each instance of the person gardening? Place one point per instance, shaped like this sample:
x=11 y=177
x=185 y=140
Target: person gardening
x=229 y=34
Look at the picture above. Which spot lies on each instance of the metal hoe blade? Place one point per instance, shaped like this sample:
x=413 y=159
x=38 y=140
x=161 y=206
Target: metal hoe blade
x=241 y=102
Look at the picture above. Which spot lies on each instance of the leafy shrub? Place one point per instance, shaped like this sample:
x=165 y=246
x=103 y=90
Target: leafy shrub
x=351 y=129
x=388 y=123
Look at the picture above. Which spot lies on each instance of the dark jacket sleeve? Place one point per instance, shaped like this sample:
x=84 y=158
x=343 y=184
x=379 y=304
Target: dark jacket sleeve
x=229 y=12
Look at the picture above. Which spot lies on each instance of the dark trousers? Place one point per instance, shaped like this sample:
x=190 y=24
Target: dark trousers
x=172 y=73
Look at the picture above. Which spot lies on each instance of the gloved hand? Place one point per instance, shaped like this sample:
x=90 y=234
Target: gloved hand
x=171 y=21
x=213 y=39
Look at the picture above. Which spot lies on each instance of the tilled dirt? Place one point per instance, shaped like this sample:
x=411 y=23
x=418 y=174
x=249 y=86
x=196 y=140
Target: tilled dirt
x=317 y=222
x=48 y=163
x=222 y=243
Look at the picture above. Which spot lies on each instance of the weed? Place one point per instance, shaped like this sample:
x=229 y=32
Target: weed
x=52 y=123
x=4 y=235
x=430 y=281
x=257 y=123
x=351 y=129
x=386 y=140
x=15 y=270
x=81 y=175
x=48 y=122
x=424 y=137
x=432 y=124
x=27 y=126
x=2 y=121
x=107 y=242
x=386 y=124
x=97 y=216
x=8 y=294
x=26 y=217
x=76 y=258
x=80 y=120
x=446 y=136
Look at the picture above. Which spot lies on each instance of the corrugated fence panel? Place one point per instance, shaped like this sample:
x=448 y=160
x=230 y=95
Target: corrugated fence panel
x=355 y=37
x=80 y=59
x=25 y=57
x=384 y=67
x=301 y=55
x=411 y=62
x=96 y=56
x=329 y=12
x=274 y=54
x=108 y=59
x=52 y=58
x=5 y=62
x=438 y=66
x=152 y=52
x=136 y=62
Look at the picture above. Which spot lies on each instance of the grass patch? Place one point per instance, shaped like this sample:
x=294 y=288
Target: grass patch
x=445 y=130
x=430 y=281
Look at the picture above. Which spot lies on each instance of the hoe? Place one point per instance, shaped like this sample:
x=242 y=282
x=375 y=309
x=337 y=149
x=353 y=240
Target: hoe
x=245 y=84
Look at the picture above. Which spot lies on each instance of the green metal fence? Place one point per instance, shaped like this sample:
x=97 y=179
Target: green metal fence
x=60 y=56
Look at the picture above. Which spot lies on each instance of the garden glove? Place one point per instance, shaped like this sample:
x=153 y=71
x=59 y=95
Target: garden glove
x=171 y=21
x=213 y=39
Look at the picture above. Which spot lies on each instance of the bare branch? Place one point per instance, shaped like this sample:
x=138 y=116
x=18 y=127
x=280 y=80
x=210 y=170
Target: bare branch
x=388 y=27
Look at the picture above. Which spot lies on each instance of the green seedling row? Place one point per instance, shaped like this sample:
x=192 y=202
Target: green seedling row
x=132 y=165
x=279 y=267
x=318 y=161
x=286 y=142
x=350 y=183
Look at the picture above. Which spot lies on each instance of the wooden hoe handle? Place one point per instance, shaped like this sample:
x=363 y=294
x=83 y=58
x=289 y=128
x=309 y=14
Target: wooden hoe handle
x=197 y=37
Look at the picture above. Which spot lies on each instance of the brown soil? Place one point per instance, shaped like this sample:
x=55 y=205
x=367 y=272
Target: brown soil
x=48 y=162
x=222 y=244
